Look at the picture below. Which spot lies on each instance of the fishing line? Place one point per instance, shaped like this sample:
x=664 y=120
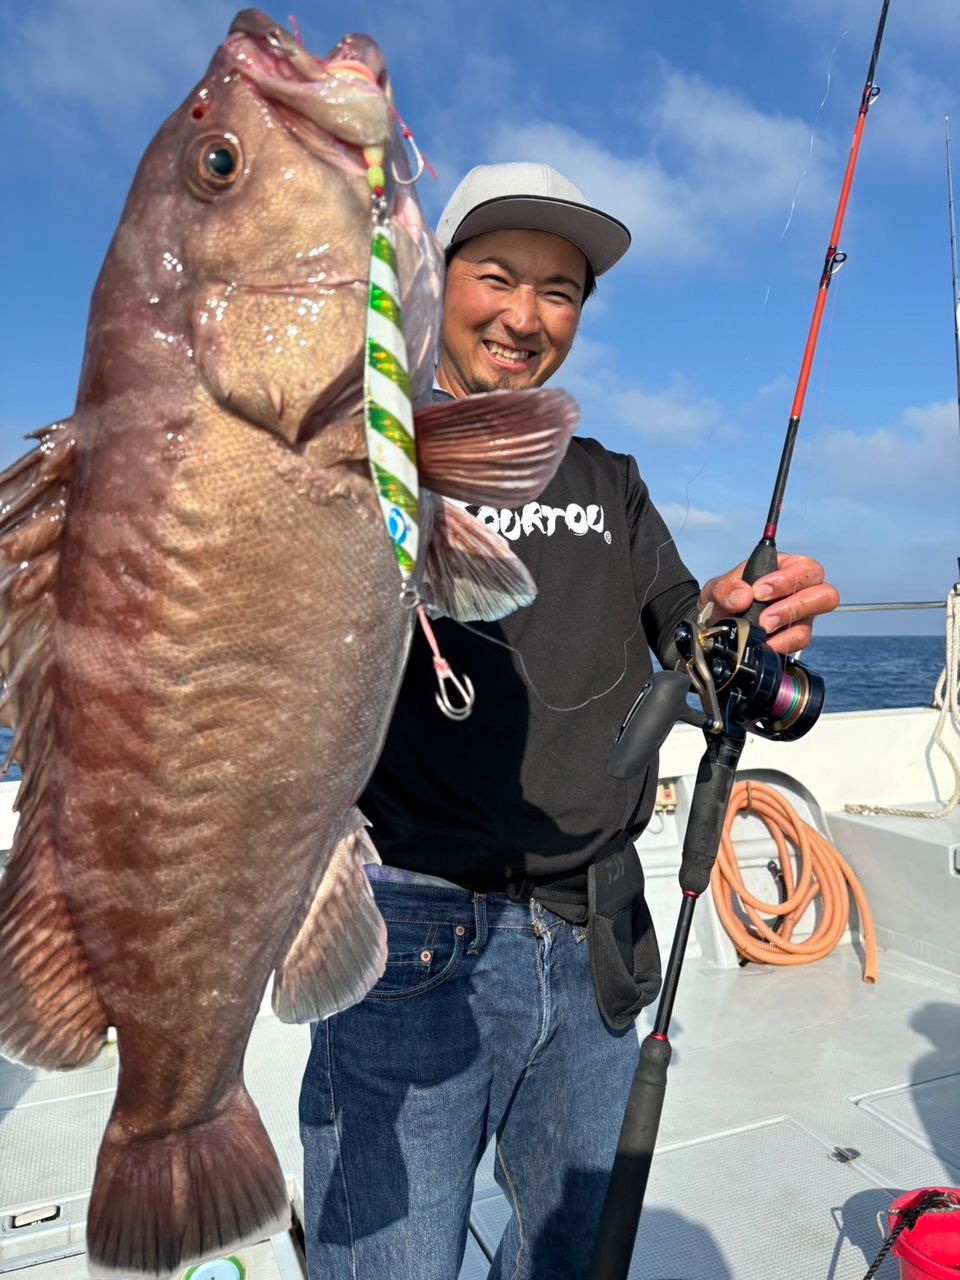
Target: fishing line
x=806 y=164
x=503 y=644
x=595 y=697
x=824 y=368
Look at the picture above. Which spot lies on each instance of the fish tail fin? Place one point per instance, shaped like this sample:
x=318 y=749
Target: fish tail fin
x=50 y=1013
x=162 y=1202
x=470 y=573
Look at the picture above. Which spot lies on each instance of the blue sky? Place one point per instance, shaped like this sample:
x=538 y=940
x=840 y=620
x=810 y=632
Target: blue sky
x=716 y=129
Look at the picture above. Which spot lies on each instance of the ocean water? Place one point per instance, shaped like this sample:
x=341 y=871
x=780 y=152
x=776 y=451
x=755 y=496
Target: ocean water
x=862 y=673
x=869 y=673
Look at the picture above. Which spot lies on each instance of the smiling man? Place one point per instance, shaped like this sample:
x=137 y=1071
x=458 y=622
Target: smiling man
x=487 y=1022
x=511 y=312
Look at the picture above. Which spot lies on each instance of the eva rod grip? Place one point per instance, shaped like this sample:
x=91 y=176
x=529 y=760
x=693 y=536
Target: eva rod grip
x=622 y=1207
x=763 y=560
x=711 y=795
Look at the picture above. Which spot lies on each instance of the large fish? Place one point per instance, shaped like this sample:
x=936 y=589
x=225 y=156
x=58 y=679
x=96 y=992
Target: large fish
x=203 y=629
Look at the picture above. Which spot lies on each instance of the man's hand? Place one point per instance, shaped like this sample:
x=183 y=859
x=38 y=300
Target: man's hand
x=794 y=595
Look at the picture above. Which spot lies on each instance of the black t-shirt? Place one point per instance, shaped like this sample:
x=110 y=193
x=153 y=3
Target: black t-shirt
x=519 y=791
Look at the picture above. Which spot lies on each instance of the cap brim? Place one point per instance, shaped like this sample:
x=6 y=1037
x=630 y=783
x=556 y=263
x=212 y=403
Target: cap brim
x=602 y=239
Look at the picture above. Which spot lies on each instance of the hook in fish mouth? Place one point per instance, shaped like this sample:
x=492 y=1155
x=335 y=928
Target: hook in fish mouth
x=347 y=94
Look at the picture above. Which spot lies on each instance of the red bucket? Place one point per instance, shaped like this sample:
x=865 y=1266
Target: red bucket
x=930 y=1250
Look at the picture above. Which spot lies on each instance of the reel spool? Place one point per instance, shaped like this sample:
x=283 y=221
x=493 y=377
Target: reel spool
x=744 y=684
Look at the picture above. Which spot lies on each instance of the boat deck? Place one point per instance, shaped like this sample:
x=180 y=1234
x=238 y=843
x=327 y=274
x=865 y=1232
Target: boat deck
x=773 y=1070
x=800 y=1102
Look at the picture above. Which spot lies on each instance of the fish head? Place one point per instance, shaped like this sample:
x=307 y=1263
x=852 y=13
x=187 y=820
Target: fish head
x=242 y=260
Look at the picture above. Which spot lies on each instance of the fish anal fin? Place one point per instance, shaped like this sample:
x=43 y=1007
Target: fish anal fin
x=499 y=449
x=340 y=949
x=470 y=573
x=50 y=1013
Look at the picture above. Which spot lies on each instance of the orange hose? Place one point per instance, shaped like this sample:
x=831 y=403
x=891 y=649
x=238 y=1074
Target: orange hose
x=822 y=871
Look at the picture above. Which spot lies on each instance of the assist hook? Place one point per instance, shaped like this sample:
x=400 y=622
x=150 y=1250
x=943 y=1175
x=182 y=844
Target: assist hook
x=422 y=163
x=445 y=676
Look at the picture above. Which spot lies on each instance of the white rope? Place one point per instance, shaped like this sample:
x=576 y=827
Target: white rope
x=947 y=698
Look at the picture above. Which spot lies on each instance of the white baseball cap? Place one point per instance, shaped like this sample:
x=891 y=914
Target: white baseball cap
x=534 y=197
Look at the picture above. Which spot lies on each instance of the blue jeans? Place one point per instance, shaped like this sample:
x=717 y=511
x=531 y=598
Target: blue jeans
x=484 y=1023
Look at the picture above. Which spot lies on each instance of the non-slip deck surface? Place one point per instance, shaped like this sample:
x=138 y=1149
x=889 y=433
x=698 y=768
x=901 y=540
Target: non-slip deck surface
x=772 y=1070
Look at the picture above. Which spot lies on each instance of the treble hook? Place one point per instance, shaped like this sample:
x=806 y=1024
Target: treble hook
x=464 y=688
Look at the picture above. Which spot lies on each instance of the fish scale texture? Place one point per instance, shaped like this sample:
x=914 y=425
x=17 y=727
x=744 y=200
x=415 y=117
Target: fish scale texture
x=202 y=635
x=215 y=742
x=201 y=630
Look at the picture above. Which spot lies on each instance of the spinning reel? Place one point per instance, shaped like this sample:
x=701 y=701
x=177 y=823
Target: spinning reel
x=743 y=687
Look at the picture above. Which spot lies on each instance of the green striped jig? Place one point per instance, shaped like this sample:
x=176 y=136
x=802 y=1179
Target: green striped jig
x=388 y=421
x=387 y=409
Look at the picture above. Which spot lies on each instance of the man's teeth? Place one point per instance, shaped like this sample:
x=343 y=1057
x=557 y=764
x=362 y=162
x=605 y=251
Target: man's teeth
x=508 y=353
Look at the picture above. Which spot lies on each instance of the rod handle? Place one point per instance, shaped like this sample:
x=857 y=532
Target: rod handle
x=708 y=808
x=763 y=560
x=631 y=1167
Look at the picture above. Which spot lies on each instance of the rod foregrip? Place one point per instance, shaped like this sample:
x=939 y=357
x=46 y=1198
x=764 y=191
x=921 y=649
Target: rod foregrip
x=763 y=560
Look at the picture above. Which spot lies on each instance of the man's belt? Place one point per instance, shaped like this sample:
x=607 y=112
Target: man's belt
x=608 y=898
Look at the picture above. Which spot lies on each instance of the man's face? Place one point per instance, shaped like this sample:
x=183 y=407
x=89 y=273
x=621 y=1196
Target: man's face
x=511 y=311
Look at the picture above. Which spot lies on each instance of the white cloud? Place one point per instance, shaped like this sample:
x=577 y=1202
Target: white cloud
x=711 y=161
x=916 y=462
x=675 y=415
x=907 y=120
x=680 y=518
x=916 y=69
x=930 y=25
x=742 y=161
x=658 y=208
x=123 y=62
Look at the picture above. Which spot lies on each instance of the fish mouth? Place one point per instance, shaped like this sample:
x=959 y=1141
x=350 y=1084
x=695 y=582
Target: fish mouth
x=346 y=96
x=319 y=283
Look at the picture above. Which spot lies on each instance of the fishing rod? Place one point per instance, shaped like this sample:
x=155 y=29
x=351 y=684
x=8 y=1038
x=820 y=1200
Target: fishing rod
x=953 y=264
x=743 y=685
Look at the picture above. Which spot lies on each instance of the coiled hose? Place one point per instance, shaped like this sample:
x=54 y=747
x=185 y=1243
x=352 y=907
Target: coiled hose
x=822 y=871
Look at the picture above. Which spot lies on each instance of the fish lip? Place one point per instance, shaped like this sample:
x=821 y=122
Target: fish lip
x=330 y=285
x=352 y=110
x=354 y=48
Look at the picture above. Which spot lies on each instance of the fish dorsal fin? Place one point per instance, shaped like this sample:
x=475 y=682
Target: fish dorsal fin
x=33 y=499
x=50 y=1013
x=470 y=573
x=499 y=449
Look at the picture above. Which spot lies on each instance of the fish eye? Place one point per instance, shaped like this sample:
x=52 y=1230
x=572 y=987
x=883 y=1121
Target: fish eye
x=220 y=164
x=214 y=162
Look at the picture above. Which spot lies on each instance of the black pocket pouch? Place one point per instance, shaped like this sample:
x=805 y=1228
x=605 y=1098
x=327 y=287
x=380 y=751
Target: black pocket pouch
x=624 y=956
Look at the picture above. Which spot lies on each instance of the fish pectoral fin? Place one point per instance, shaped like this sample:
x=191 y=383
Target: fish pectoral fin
x=501 y=449
x=470 y=573
x=341 y=948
